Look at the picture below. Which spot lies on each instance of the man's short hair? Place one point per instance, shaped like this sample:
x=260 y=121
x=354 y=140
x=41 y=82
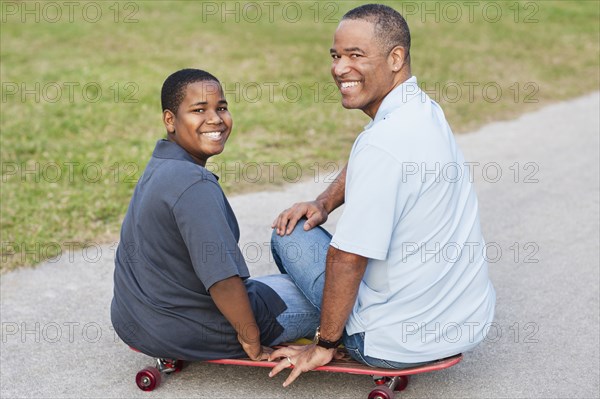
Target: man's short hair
x=391 y=29
x=173 y=89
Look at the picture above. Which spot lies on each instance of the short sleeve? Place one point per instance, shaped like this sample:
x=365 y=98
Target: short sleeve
x=201 y=215
x=372 y=205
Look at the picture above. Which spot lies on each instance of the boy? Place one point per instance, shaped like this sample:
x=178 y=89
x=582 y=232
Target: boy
x=181 y=284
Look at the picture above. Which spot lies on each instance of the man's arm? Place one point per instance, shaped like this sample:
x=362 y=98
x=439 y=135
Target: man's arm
x=333 y=196
x=343 y=274
x=316 y=211
x=231 y=298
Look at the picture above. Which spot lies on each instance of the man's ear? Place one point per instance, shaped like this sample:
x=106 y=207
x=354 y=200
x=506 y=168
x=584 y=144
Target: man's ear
x=397 y=58
x=169 y=121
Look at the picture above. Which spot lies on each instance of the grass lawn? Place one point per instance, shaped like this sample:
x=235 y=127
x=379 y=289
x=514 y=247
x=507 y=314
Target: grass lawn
x=80 y=109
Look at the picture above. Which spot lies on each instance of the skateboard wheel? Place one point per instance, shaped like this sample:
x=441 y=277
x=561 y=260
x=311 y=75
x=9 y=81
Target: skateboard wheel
x=382 y=392
x=402 y=383
x=148 y=379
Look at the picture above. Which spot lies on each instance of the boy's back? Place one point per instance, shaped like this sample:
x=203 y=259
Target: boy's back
x=178 y=238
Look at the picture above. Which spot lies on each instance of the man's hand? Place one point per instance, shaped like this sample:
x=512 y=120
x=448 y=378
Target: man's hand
x=255 y=351
x=314 y=211
x=303 y=358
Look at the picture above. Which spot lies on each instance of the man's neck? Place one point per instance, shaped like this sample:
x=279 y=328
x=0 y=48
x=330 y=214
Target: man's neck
x=402 y=77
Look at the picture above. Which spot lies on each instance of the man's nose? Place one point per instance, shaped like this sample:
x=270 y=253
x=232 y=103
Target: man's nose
x=340 y=66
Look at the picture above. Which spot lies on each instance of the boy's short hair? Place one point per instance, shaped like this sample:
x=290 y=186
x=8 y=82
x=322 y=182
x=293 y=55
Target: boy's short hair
x=173 y=89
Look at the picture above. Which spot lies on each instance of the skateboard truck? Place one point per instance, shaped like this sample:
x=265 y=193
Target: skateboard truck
x=387 y=385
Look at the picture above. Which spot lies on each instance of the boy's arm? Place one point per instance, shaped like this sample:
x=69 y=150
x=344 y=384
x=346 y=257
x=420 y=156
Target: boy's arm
x=231 y=298
x=316 y=211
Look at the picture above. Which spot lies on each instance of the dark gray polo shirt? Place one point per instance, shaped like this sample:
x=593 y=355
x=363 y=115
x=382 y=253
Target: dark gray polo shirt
x=179 y=237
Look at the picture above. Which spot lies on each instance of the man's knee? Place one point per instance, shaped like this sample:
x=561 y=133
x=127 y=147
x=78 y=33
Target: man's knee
x=286 y=247
x=278 y=242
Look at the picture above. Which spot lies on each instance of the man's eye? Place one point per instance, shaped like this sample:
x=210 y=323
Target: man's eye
x=354 y=55
x=335 y=56
x=222 y=109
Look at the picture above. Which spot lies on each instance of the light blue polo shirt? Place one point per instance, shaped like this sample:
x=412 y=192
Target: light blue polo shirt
x=410 y=207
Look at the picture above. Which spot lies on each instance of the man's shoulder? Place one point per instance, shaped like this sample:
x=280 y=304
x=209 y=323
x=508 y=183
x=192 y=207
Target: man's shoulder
x=417 y=123
x=418 y=113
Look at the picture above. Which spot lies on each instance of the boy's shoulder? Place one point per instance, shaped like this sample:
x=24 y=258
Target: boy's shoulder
x=170 y=175
x=173 y=165
x=174 y=175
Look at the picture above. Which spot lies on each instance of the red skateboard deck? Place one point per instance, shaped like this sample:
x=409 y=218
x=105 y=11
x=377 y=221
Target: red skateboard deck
x=348 y=365
x=387 y=380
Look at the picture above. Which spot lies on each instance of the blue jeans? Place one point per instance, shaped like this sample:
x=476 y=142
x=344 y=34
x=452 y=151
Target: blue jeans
x=301 y=318
x=302 y=256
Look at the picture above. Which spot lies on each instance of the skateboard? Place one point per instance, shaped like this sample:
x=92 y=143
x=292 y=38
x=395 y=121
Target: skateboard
x=386 y=380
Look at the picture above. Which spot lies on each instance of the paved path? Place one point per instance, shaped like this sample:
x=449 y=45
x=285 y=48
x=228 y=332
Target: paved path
x=542 y=226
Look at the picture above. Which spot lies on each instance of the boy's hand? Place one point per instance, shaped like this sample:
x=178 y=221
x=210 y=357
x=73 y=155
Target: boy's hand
x=255 y=351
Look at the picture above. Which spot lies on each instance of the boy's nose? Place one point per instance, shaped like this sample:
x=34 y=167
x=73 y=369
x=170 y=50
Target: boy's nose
x=214 y=118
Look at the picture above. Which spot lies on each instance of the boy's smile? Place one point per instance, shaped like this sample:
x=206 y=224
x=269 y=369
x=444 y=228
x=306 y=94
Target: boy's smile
x=202 y=123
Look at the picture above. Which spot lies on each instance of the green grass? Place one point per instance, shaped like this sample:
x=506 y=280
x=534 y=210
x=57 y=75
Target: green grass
x=69 y=165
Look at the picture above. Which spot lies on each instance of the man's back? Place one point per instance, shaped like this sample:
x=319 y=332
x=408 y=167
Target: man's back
x=411 y=209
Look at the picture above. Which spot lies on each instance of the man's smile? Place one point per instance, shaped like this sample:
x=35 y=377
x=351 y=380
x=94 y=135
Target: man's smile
x=347 y=86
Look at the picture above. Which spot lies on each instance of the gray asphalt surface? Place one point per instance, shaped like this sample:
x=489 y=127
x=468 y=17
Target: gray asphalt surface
x=542 y=229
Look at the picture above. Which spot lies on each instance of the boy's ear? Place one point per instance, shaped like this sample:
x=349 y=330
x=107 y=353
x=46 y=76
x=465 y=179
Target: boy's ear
x=169 y=120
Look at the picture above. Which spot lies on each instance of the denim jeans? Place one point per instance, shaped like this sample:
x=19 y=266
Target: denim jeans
x=301 y=318
x=302 y=256
x=355 y=345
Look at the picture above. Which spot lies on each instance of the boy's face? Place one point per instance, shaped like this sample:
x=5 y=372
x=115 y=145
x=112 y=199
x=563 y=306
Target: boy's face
x=202 y=123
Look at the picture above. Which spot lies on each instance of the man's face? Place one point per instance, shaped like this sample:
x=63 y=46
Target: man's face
x=359 y=67
x=202 y=123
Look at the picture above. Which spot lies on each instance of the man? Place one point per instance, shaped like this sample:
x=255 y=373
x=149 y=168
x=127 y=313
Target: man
x=405 y=279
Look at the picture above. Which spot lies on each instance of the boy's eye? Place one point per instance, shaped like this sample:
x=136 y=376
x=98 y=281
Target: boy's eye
x=199 y=110
x=222 y=109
